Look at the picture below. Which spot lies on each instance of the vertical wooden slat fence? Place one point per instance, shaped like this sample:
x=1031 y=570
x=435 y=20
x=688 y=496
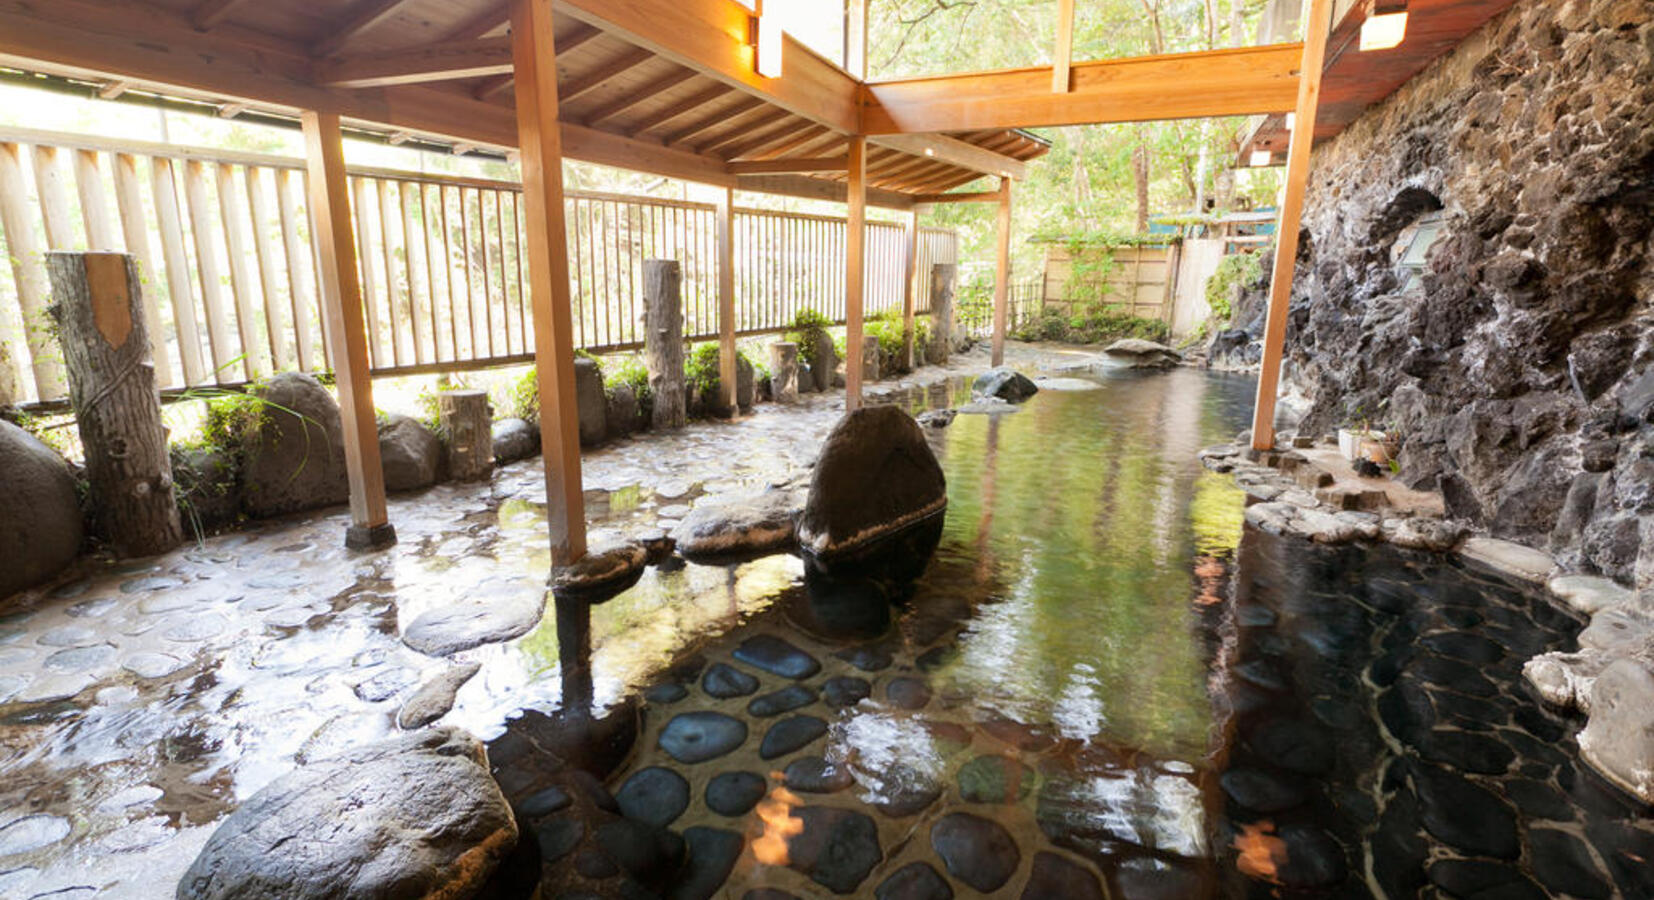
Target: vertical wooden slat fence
x=223 y=243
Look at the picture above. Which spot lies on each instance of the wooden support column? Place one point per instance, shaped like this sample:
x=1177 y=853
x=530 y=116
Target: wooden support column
x=1317 y=25
x=1063 y=54
x=727 y=371
x=540 y=144
x=28 y=260
x=855 y=270
x=855 y=38
x=341 y=295
x=1002 y=272
x=910 y=269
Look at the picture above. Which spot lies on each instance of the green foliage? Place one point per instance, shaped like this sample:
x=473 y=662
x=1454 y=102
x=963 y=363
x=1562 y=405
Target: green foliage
x=1049 y=325
x=1100 y=326
x=887 y=328
x=631 y=372
x=700 y=369
x=1240 y=269
x=231 y=421
x=806 y=326
x=523 y=396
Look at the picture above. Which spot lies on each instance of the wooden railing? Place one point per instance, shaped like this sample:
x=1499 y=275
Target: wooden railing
x=223 y=242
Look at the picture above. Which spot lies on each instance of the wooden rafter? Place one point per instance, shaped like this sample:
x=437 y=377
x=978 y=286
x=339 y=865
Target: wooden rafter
x=1230 y=82
x=642 y=95
x=778 y=166
x=483 y=23
x=575 y=88
x=793 y=185
x=708 y=122
x=364 y=16
x=786 y=131
x=813 y=135
x=496 y=85
x=955 y=152
x=436 y=62
x=681 y=108
x=756 y=124
x=212 y=13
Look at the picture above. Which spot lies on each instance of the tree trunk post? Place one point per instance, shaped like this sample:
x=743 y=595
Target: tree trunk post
x=784 y=372
x=99 y=311
x=870 y=363
x=663 y=340
x=469 y=429
x=941 y=311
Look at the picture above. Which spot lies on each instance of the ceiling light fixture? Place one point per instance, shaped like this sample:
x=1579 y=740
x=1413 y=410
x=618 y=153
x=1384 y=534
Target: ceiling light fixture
x=1385 y=26
x=1261 y=158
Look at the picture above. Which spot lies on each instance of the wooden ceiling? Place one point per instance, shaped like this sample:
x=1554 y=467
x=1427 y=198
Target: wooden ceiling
x=446 y=65
x=1353 y=80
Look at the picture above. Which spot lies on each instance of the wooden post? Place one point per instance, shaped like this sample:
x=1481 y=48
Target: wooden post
x=855 y=269
x=727 y=372
x=469 y=432
x=100 y=316
x=1002 y=271
x=1316 y=27
x=329 y=209
x=942 y=277
x=540 y=143
x=170 y=221
x=855 y=38
x=1062 y=56
x=663 y=340
x=29 y=269
x=910 y=271
x=129 y=200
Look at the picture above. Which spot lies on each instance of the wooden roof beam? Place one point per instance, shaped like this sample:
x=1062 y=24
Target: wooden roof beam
x=1230 y=82
x=484 y=22
x=642 y=95
x=956 y=152
x=786 y=166
x=708 y=122
x=497 y=84
x=579 y=87
x=363 y=16
x=969 y=197
x=212 y=13
x=681 y=108
x=437 y=62
x=710 y=36
x=744 y=133
x=815 y=134
x=787 y=131
x=818 y=189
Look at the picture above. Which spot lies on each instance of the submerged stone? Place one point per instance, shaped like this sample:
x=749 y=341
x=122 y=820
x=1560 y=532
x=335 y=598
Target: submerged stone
x=655 y=796
x=495 y=613
x=289 y=841
x=1141 y=354
x=868 y=658
x=435 y=697
x=735 y=793
x=1004 y=383
x=787 y=699
x=605 y=570
x=739 y=526
x=1262 y=791
x=776 y=656
x=1465 y=815
x=665 y=693
x=791 y=734
x=917 y=880
x=713 y=853
x=845 y=690
x=976 y=851
x=650 y=854
x=724 y=681
x=995 y=779
x=814 y=775
x=1056 y=877
x=907 y=693
x=835 y=848
x=694 y=737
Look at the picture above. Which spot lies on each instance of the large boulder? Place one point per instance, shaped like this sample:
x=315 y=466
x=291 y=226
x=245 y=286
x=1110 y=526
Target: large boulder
x=414 y=816
x=33 y=478
x=409 y=453
x=1137 y=353
x=876 y=475
x=1005 y=383
x=296 y=457
x=591 y=401
x=515 y=439
x=1618 y=740
x=623 y=411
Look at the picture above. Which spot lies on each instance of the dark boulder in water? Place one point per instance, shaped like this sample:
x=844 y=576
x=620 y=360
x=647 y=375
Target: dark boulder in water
x=876 y=476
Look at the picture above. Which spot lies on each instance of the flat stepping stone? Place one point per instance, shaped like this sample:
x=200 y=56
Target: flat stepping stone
x=1055 y=877
x=435 y=697
x=907 y=693
x=712 y=856
x=869 y=658
x=788 y=735
x=976 y=851
x=148 y=583
x=1509 y=559
x=699 y=736
x=914 y=881
x=489 y=617
x=814 y=775
x=835 y=848
x=776 y=656
x=785 y=700
x=91 y=609
x=655 y=796
x=735 y=793
x=196 y=628
x=724 y=681
x=385 y=685
x=29 y=833
x=995 y=779
x=904 y=790
x=845 y=690
x=68 y=636
x=81 y=659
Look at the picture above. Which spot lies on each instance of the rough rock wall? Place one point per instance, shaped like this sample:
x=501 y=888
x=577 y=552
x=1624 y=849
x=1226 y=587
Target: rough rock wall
x=1519 y=373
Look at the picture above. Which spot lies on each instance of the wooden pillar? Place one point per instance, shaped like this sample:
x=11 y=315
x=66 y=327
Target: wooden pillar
x=469 y=432
x=727 y=373
x=855 y=268
x=942 y=276
x=663 y=341
x=1002 y=271
x=1316 y=27
x=910 y=270
x=855 y=38
x=1062 y=55
x=540 y=144
x=29 y=268
x=100 y=317
x=341 y=295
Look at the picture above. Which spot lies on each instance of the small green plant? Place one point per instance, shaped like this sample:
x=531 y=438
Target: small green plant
x=232 y=418
x=700 y=369
x=889 y=329
x=807 y=325
x=1049 y=325
x=1240 y=269
x=523 y=396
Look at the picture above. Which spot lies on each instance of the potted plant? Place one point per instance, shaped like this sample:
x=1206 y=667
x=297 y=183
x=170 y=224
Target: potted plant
x=1361 y=441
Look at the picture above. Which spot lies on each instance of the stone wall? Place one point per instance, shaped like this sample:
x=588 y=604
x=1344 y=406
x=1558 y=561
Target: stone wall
x=1518 y=372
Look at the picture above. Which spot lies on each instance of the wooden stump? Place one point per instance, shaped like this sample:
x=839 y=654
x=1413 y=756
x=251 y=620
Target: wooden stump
x=784 y=372
x=99 y=311
x=869 y=358
x=663 y=340
x=468 y=428
x=941 y=312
